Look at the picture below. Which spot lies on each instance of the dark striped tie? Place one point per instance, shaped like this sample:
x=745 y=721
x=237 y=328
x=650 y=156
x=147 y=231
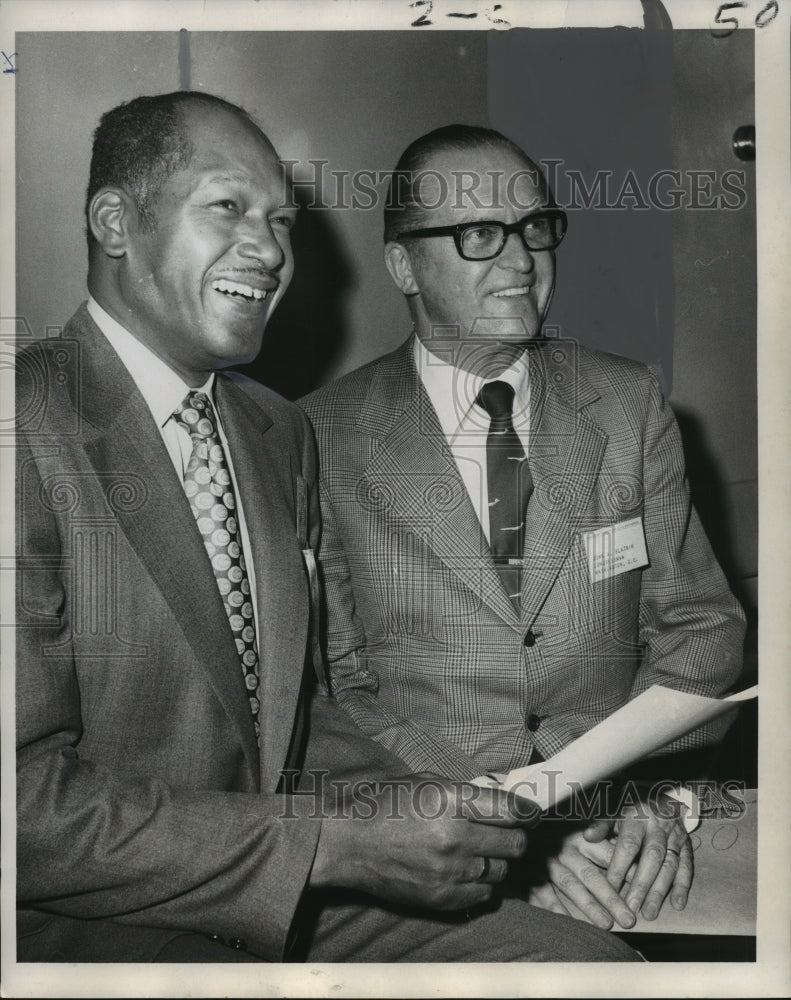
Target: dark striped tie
x=509 y=484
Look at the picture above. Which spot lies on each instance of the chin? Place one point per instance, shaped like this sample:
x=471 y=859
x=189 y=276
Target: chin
x=510 y=330
x=228 y=359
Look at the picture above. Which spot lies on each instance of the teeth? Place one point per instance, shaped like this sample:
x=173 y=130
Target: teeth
x=508 y=292
x=237 y=288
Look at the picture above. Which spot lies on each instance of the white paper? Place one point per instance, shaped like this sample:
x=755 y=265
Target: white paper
x=652 y=720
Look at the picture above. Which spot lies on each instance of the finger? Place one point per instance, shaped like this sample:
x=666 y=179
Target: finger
x=627 y=848
x=661 y=886
x=582 y=907
x=652 y=859
x=592 y=893
x=490 y=870
x=598 y=830
x=676 y=875
x=683 y=880
x=523 y=811
x=492 y=842
x=496 y=807
x=545 y=898
x=569 y=884
x=601 y=852
x=629 y=875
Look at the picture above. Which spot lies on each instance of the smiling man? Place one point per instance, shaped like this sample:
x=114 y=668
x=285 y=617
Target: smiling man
x=167 y=519
x=524 y=556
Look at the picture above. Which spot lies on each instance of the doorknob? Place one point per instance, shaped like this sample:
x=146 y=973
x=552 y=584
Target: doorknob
x=744 y=142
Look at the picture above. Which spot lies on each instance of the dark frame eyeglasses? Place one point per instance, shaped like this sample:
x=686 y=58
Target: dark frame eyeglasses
x=542 y=230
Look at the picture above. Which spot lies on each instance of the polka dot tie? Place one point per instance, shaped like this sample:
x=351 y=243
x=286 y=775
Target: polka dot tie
x=209 y=489
x=509 y=486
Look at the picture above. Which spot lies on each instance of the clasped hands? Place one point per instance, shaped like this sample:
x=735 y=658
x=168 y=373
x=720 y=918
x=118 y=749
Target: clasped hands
x=424 y=841
x=612 y=869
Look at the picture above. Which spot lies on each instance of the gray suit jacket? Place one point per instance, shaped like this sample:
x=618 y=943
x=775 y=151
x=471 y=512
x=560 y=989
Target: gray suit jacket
x=143 y=797
x=455 y=680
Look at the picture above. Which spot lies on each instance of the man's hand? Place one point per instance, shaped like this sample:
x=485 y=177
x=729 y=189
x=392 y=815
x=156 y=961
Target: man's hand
x=653 y=839
x=423 y=841
x=577 y=873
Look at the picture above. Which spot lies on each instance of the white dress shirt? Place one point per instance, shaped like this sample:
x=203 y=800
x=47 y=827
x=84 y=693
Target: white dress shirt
x=164 y=390
x=465 y=424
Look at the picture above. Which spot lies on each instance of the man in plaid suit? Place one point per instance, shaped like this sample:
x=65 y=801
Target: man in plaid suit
x=616 y=586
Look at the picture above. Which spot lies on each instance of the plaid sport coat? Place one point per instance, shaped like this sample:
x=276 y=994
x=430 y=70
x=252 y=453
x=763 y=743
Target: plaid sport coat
x=453 y=680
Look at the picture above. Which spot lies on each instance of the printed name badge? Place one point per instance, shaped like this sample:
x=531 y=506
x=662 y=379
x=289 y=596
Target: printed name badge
x=615 y=549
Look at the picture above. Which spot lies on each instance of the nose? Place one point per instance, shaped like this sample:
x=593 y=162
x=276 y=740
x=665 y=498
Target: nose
x=257 y=242
x=515 y=254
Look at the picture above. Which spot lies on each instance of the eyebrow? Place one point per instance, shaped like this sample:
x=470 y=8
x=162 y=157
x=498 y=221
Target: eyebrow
x=239 y=177
x=231 y=176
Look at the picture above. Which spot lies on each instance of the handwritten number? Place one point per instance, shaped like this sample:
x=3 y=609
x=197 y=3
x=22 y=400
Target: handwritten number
x=765 y=16
x=496 y=20
x=423 y=20
x=760 y=20
x=727 y=20
x=488 y=13
x=11 y=68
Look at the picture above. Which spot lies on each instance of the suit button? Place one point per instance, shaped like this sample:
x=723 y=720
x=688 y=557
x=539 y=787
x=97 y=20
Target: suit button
x=530 y=638
x=238 y=944
x=216 y=937
x=533 y=722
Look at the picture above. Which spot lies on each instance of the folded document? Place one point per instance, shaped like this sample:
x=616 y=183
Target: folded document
x=652 y=720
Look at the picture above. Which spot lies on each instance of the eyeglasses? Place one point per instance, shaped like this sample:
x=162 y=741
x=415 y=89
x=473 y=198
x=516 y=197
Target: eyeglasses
x=483 y=240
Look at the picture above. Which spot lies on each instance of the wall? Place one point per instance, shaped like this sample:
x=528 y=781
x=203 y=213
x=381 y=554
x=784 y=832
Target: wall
x=597 y=103
x=65 y=80
x=714 y=266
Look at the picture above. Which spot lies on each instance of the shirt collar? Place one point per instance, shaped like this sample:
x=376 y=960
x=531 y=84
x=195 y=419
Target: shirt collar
x=161 y=388
x=453 y=391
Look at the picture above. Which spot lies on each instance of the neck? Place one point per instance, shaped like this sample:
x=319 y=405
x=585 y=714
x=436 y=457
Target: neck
x=488 y=360
x=116 y=309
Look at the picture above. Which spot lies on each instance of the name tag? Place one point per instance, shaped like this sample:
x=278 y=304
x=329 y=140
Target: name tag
x=615 y=549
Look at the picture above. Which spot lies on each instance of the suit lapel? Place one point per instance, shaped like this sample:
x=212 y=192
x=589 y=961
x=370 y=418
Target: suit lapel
x=566 y=451
x=415 y=475
x=266 y=485
x=125 y=443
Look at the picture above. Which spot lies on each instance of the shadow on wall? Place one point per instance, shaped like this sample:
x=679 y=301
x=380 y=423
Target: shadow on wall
x=708 y=489
x=736 y=758
x=309 y=330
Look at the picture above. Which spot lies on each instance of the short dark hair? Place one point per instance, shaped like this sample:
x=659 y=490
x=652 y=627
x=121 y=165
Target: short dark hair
x=141 y=143
x=402 y=206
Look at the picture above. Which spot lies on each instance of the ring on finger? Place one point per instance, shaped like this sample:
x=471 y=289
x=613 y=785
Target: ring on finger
x=672 y=850
x=485 y=870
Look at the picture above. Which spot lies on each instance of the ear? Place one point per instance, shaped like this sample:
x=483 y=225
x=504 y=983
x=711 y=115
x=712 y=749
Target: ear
x=399 y=264
x=111 y=214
